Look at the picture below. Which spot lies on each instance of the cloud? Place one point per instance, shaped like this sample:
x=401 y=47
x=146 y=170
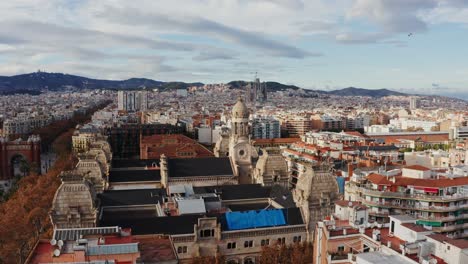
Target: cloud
x=359 y=38
x=210 y=28
x=393 y=16
x=46 y=33
x=213 y=55
x=172 y=39
x=368 y=38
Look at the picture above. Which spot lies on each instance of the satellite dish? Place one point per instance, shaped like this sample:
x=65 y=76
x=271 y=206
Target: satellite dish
x=53 y=242
x=56 y=253
x=60 y=243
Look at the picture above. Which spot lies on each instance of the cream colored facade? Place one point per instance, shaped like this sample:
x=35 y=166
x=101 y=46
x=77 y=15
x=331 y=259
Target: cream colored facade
x=315 y=193
x=271 y=168
x=241 y=246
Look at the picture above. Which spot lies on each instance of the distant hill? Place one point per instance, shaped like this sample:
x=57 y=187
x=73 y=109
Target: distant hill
x=56 y=81
x=34 y=82
x=352 y=91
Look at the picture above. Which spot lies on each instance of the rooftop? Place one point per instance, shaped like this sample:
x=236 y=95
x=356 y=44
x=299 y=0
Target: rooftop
x=116 y=176
x=415 y=227
x=382 y=258
x=131 y=197
x=155 y=249
x=236 y=192
x=459 y=243
x=417 y=167
x=207 y=166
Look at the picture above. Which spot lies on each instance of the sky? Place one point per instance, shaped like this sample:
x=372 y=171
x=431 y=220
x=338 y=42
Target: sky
x=418 y=46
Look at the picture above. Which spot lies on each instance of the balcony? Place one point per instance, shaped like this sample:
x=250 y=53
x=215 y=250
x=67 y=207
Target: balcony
x=402 y=195
x=450 y=228
x=337 y=258
x=415 y=207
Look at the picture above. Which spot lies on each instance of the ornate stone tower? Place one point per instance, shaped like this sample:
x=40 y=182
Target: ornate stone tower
x=74 y=203
x=90 y=168
x=271 y=169
x=240 y=149
x=315 y=193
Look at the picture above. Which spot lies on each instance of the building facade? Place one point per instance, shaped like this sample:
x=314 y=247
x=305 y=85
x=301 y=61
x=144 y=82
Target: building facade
x=266 y=128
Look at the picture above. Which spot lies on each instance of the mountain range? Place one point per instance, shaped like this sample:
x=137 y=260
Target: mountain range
x=37 y=81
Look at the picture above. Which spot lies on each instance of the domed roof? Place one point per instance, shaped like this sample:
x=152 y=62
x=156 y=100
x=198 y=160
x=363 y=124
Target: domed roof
x=240 y=110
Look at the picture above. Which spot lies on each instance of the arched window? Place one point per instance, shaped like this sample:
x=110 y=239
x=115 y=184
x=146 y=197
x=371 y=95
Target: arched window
x=249 y=260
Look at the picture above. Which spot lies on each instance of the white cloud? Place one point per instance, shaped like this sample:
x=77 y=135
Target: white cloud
x=172 y=38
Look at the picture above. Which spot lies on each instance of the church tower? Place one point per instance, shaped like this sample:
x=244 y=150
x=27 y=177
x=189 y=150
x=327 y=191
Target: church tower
x=240 y=149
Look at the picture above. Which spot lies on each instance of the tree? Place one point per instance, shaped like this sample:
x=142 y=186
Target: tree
x=209 y=260
x=24 y=167
x=24 y=215
x=297 y=253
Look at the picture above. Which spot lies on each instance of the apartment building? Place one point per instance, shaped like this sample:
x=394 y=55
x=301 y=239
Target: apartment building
x=266 y=128
x=437 y=199
x=326 y=122
x=339 y=239
x=297 y=126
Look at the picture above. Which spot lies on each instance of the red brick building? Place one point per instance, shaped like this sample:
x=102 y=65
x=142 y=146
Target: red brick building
x=173 y=146
x=29 y=151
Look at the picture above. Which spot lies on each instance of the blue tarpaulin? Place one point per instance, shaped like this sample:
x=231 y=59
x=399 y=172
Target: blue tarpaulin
x=255 y=219
x=341 y=183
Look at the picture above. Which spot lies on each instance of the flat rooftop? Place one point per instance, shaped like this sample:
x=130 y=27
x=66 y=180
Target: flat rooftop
x=381 y=258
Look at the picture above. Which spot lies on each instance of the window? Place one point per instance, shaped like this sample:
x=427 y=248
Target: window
x=207 y=233
x=281 y=241
x=448 y=247
x=248 y=244
x=231 y=245
x=248 y=261
x=182 y=249
x=341 y=249
x=297 y=239
x=265 y=242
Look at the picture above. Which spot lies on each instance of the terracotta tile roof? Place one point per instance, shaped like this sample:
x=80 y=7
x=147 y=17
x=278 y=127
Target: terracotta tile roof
x=155 y=249
x=415 y=227
x=405 y=181
x=356 y=134
x=172 y=146
x=389 y=139
x=304 y=155
x=459 y=243
x=437 y=183
x=384 y=238
x=417 y=167
x=379 y=179
x=276 y=140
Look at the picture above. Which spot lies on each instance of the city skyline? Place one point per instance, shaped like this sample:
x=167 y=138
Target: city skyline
x=414 y=46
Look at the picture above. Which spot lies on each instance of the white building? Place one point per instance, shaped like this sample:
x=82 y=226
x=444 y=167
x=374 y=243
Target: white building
x=132 y=100
x=413 y=103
